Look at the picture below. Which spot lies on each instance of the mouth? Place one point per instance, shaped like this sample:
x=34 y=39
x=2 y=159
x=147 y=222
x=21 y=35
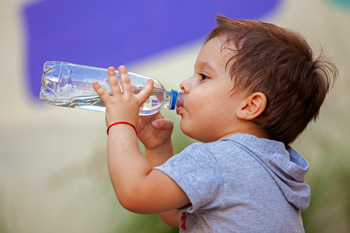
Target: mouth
x=178 y=110
x=180 y=103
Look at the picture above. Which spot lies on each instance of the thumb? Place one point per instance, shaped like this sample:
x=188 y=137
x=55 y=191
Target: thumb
x=145 y=92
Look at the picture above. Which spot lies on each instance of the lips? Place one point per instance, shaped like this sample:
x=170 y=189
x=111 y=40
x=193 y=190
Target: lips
x=180 y=103
x=178 y=110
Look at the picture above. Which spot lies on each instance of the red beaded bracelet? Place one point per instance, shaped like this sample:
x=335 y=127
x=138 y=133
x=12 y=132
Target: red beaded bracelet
x=121 y=122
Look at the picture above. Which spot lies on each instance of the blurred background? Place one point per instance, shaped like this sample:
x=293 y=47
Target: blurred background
x=53 y=171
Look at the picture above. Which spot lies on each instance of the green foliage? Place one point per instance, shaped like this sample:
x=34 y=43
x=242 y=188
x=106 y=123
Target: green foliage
x=329 y=209
x=326 y=146
x=147 y=224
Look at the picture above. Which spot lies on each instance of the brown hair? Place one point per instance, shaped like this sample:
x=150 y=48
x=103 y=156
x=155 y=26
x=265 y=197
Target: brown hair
x=280 y=64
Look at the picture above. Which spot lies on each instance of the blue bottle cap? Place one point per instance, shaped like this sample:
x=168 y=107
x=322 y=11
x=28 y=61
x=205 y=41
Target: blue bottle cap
x=173 y=99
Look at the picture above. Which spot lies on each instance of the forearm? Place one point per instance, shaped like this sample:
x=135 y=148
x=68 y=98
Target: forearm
x=126 y=164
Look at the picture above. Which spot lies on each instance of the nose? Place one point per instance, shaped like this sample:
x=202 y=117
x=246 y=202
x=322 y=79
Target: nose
x=185 y=85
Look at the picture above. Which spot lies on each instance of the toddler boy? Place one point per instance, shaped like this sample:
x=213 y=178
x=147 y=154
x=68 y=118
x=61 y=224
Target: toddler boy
x=255 y=88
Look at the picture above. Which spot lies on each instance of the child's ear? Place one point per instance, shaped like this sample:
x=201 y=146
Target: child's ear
x=252 y=106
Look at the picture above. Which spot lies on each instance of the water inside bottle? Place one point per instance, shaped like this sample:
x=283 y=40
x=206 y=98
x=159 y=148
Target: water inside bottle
x=153 y=104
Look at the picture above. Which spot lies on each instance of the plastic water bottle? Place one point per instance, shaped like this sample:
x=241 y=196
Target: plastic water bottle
x=69 y=85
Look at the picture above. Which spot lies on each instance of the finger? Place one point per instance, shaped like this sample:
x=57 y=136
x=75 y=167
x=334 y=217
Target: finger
x=144 y=94
x=113 y=81
x=164 y=124
x=125 y=80
x=100 y=92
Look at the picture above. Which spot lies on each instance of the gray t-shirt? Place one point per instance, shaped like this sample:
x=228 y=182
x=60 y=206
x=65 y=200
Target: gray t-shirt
x=241 y=184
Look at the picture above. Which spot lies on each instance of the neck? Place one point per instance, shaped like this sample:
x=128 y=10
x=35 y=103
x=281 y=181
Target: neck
x=248 y=128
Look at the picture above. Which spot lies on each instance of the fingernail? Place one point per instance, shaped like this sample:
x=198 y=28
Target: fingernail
x=110 y=69
x=122 y=68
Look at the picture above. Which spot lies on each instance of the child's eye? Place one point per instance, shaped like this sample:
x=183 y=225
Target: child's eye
x=203 y=77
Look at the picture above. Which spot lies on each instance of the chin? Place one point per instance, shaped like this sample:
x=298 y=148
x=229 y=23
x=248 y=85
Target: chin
x=184 y=128
x=192 y=133
x=187 y=130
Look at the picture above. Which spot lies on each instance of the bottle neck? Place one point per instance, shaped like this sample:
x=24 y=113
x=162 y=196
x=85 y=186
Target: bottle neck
x=173 y=99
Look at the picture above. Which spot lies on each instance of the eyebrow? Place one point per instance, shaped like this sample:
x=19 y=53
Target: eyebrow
x=207 y=64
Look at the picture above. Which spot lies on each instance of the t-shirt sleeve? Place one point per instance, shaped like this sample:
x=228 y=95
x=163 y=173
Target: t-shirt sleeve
x=196 y=171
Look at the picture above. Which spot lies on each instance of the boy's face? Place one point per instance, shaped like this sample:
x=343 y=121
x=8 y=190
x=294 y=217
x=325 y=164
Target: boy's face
x=209 y=110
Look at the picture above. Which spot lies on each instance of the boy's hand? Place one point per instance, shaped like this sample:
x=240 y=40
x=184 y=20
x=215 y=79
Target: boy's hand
x=122 y=105
x=154 y=131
